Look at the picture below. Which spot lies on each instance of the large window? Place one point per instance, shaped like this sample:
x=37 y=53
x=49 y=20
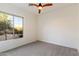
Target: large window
x=11 y=27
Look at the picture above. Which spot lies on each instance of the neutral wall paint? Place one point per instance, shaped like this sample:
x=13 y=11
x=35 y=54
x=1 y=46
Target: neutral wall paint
x=29 y=28
x=60 y=27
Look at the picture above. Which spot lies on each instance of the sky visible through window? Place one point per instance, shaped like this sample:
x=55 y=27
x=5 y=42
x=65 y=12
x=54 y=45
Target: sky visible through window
x=17 y=22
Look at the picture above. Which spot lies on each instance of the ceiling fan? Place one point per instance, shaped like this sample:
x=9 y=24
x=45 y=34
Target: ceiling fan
x=40 y=6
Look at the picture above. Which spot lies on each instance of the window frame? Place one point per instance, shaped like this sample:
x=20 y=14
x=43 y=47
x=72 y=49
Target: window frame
x=13 y=21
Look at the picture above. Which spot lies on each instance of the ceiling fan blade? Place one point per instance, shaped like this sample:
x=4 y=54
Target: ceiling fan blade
x=49 y=4
x=31 y=4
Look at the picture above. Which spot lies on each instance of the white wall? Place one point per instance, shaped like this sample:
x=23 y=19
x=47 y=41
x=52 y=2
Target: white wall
x=29 y=28
x=60 y=27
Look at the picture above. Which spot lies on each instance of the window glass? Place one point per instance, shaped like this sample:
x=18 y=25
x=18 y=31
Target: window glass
x=18 y=27
x=11 y=26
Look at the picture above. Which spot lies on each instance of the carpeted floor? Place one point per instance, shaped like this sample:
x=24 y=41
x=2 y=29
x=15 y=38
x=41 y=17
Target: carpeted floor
x=41 y=49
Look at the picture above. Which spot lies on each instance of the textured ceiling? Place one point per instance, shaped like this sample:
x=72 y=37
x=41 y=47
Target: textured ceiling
x=24 y=7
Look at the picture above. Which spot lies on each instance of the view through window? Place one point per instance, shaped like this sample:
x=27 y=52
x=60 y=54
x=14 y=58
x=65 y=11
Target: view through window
x=11 y=27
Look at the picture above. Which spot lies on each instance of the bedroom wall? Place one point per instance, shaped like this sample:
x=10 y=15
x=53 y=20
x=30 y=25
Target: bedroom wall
x=29 y=28
x=60 y=26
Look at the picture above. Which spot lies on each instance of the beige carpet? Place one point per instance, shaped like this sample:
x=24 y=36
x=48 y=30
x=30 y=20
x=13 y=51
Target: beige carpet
x=41 y=49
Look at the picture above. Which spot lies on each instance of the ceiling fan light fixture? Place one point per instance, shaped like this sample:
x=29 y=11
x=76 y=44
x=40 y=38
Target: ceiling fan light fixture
x=40 y=7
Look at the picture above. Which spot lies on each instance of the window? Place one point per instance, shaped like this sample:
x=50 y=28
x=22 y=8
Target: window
x=11 y=27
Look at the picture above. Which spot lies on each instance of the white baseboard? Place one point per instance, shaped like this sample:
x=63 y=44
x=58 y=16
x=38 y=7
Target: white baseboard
x=78 y=50
x=58 y=44
x=11 y=44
